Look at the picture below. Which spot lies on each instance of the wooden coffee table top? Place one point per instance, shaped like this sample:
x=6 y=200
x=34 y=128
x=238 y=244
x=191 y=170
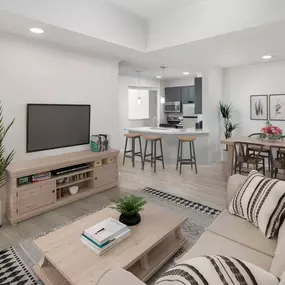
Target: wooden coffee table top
x=80 y=266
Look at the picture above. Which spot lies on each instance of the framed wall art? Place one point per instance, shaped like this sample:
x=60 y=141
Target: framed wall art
x=259 y=107
x=277 y=107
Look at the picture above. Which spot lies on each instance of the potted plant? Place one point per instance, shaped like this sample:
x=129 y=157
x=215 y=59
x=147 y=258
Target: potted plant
x=129 y=207
x=5 y=160
x=226 y=115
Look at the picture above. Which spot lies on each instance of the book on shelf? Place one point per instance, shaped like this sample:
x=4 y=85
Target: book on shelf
x=100 y=249
x=105 y=231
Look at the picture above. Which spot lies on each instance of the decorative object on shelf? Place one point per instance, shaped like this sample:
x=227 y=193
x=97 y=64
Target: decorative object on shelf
x=4 y=160
x=129 y=207
x=277 y=107
x=40 y=176
x=99 y=142
x=73 y=190
x=24 y=180
x=61 y=180
x=271 y=132
x=258 y=107
x=226 y=115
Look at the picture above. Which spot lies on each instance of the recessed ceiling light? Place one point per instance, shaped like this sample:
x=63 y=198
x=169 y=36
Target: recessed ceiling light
x=186 y=73
x=267 y=56
x=37 y=30
x=158 y=77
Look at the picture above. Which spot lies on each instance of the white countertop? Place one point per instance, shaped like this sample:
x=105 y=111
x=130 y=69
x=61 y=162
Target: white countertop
x=168 y=131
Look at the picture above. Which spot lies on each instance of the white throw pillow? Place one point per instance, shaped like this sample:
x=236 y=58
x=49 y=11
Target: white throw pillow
x=217 y=270
x=261 y=201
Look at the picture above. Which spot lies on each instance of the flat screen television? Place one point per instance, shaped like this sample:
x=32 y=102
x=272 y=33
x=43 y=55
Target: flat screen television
x=52 y=126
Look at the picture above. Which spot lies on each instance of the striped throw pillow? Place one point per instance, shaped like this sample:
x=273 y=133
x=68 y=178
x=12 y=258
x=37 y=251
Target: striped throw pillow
x=261 y=201
x=217 y=270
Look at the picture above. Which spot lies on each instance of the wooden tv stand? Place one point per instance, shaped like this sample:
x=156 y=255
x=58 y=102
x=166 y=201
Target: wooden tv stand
x=25 y=201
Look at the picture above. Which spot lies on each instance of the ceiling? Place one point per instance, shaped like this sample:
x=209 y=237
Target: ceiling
x=235 y=49
x=238 y=48
x=152 y=8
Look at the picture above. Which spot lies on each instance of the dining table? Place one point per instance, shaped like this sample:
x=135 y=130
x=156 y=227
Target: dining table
x=244 y=139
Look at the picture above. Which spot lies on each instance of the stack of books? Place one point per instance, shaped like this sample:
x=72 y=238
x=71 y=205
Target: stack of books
x=104 y=235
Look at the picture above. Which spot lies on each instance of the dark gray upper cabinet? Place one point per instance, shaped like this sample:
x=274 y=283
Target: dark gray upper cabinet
x=198 y=95
x=188 y=94
x=173 y=94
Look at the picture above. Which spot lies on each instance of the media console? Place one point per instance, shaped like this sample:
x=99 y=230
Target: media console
x=28 y=200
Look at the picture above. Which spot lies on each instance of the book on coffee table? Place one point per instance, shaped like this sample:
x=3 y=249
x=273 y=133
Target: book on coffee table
x=104 y=231
x=100 y=249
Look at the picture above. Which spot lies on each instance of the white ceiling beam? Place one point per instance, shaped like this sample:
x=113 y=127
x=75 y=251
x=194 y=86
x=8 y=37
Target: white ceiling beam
x=209 y=19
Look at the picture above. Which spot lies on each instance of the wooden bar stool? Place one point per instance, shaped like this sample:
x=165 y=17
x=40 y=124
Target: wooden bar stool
x=186 y=161
x=133 y=137
x=153 y=156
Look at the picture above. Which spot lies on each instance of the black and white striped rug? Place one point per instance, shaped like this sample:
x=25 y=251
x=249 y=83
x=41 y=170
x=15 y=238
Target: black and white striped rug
x=13 y=270
x=181 y=202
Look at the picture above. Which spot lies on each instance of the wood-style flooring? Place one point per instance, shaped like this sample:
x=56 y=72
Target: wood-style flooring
x=207 y=187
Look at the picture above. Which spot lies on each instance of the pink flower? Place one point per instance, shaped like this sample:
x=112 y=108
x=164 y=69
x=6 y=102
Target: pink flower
x=271 y=130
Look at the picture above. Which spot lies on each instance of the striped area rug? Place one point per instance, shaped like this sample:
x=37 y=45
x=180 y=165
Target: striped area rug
x=182 y=202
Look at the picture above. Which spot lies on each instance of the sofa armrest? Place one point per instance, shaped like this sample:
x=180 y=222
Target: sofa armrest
x=234 y=183
x=119 y=276
x=278 y=263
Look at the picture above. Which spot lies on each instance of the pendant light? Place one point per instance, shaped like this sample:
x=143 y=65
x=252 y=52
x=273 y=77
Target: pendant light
x=162 y=97
x=139 y=86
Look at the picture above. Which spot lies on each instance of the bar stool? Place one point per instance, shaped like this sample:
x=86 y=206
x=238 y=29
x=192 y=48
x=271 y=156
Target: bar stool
x=153 y=156
x=186 y=161
x=133 y=137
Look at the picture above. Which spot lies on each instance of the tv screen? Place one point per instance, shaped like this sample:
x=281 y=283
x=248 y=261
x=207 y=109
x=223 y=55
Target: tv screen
x=52 y=126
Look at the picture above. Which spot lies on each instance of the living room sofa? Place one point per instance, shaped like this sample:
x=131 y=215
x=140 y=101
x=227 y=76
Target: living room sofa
x=227 y=235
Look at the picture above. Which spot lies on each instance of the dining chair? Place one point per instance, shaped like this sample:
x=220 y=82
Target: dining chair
x=277 y=160
x=245 y=155
x=266 y=150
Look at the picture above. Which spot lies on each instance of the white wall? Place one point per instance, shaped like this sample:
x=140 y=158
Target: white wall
x=213 y=81
x=33 y=73
x=96 y=18
x=241 y=82
x=187 y=81
x=124 y=83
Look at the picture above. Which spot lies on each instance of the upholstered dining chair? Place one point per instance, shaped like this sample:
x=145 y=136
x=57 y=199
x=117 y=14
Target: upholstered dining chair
x=277 y=160
x=245 y=155
x=266 y=150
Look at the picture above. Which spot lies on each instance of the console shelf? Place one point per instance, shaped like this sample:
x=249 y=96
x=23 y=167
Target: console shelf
x=73 y=173
x=62 y=185
x=25 y=201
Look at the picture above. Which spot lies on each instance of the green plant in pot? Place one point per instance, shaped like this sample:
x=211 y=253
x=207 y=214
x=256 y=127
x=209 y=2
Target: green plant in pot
x=226 y=115
x=129 y=207
x=5 y=160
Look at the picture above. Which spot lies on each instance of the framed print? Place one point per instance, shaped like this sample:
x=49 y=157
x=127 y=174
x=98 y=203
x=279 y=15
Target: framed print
x=277 y=107
x=259 y=107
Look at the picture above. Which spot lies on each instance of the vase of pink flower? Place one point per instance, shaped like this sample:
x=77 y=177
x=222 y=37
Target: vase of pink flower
x=271 y=132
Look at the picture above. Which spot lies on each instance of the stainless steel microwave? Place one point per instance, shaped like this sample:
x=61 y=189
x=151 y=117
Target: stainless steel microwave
x=172 y=107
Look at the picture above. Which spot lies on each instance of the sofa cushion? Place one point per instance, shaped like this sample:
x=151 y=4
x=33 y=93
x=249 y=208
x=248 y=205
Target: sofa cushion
x=233 y=185
x=217 y=270
x=243 y=232
x=261 y=201
x=119 y=276
x=278 y=264
x=212 y=244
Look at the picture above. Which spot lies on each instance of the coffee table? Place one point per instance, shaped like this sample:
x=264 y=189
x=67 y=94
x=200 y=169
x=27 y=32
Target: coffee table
x=65 y=260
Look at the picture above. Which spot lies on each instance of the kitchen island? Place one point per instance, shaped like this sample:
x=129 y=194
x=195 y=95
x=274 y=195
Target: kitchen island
x=170 y=142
